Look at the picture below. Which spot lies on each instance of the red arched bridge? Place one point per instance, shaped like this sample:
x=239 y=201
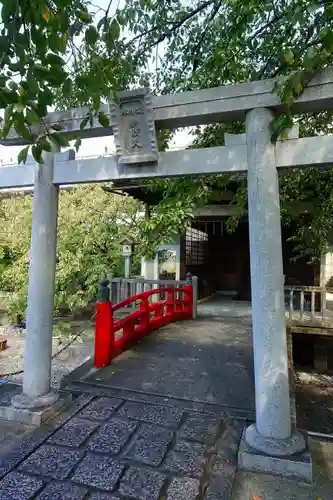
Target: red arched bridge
x=122 y=324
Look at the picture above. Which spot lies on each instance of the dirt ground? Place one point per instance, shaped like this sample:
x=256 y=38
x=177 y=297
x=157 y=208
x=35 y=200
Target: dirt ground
x=11 y=359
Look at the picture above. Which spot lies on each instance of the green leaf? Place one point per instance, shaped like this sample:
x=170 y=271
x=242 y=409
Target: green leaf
x=23 y=154
x=37 y=153
x=289 y=57
x=40 y=69
x=84 y=122
x=20 y=128
x=32 y=117
x=114 y=29
x=5 y=129
x=84 y=15
x=96 y=102
x=8 y=113
x=54 y=43
x=19 y=107
x=67 y=87
x=13 y=85
x=103 y=119
x=62 y=42
x=3 y=43
x=46 y=97
x=60 y=140
x=100 y=23
x=91 y=35
x=56 y=76
x=54 y=59
x=45 y=144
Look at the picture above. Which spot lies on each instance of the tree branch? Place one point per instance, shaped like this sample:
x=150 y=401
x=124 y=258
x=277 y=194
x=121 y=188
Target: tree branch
x=176 y=25
x=203 y=35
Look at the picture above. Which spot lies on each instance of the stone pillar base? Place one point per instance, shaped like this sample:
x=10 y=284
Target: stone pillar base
x=22 y=401
x=34 y=411
x=297 y=465
x=275 y=447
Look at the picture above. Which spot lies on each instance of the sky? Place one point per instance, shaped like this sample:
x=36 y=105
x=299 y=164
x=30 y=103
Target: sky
x=94 y=147
x=97 y=146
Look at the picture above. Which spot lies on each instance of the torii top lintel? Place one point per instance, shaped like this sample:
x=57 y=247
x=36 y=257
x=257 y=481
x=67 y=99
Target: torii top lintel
x=199 y=107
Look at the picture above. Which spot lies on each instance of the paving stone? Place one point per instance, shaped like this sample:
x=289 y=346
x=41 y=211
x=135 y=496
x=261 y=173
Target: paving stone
x=186 y=458
x=200 y=428
x=101 y=409
x=220 y=487
x=17 y=486
x=150 y=445
x=225 y=462
x=61 y=491
x=74 y=433
x=103 y=496
x=112 y=436
x=52 y=461
x=227 y=453
x=99 y=472
x=142 y=484
x=30 y=442
x=155 y=414
x=183 y=489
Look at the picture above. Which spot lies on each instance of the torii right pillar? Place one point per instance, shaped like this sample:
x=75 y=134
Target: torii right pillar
x=270 y=444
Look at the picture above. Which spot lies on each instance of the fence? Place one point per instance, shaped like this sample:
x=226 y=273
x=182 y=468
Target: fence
x=308 y=305
x=123 y=288
x=114 y=336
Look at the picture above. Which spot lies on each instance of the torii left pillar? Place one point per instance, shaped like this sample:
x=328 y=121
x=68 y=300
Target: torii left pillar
x=37 y=391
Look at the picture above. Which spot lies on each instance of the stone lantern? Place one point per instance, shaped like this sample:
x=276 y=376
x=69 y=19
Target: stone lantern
x=127 y=250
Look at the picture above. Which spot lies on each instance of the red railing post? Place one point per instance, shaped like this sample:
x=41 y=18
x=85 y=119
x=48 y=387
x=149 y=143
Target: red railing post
x=104 y=334
x=188 y=301
x=145 y=315
x=159 y=310
x=170 y=308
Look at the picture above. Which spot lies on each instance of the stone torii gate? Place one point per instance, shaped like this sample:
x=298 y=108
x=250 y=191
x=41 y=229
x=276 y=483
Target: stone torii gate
x=133 y=122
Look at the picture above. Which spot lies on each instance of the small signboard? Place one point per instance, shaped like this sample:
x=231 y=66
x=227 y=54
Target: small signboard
x=133 y=127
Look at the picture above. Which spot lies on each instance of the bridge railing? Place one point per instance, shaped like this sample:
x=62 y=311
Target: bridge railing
x=114 y=336
x=123 y=288
x=307 y=304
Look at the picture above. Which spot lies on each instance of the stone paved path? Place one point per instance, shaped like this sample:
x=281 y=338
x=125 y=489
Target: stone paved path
x=163 y=422
x=116 y=448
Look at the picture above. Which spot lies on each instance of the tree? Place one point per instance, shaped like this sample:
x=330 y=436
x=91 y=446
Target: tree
x=51 y=52
x=91 y=225
x=48 y=47
x=216 y=42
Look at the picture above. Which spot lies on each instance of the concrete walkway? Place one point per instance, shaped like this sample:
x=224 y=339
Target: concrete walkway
x=162 y=423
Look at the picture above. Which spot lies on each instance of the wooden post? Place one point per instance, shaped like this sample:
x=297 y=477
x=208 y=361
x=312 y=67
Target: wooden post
x=104 y=335
x=145 y=315
x=188 y=298
x=170 y=308
x=291 y=304
x=195 y=296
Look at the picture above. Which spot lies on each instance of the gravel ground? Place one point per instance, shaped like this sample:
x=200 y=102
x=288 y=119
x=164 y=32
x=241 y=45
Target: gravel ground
x=314 y=402
x=11 y=359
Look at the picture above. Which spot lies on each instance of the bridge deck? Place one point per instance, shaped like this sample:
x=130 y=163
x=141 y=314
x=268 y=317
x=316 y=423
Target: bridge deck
x=207 y=360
